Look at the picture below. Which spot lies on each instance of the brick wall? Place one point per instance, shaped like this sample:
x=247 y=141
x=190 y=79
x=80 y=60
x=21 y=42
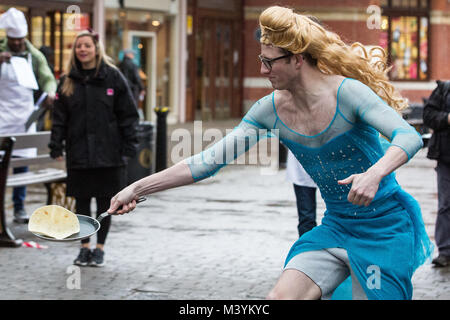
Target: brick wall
x=348 y=19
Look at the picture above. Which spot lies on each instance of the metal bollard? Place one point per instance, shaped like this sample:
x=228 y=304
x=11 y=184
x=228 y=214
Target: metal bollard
x=161 y=138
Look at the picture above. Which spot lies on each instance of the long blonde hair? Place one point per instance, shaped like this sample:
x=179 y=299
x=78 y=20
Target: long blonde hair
x=296 y=33
x=68 y=85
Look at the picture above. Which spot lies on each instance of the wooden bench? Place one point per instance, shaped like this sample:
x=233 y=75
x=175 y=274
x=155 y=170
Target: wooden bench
x=45 y=175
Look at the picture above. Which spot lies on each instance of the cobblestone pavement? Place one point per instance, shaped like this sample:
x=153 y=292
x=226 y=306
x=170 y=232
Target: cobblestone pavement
x=223 y=238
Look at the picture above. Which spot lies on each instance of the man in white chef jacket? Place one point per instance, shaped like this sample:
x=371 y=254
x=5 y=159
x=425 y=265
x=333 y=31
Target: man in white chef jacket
x=23 y=68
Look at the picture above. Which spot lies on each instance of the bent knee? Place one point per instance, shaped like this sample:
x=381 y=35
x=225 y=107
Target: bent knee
x=277 y=295
x=294 y=285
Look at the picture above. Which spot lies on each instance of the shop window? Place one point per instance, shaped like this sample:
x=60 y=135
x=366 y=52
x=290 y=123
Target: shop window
x=404 y=36
x=71 y=28
x=64 y=32
x=37 y=26
x=56 y=33
x=52 y=28
x=149 y=34
x=60 y=32
x=47 y=34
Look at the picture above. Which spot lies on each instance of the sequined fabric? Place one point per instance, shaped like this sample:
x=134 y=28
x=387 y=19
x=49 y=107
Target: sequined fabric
x=389 y=234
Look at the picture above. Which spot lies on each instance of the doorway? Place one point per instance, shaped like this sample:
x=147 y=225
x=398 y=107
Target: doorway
x=217 y=92
x=144 y=45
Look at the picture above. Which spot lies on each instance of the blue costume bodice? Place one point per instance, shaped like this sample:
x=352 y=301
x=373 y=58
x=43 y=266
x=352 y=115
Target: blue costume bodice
x=354 y=151
x=389 y=233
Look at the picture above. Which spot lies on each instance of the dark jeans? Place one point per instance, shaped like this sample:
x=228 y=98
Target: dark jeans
x=306 y=208
x=442 y=229
x=83 y=206
x=19 y=193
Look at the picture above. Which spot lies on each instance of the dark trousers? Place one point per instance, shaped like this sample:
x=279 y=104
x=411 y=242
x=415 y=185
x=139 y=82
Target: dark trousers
x=19 y=193
x=83 y=206
x=442 y=229
x=306 y=208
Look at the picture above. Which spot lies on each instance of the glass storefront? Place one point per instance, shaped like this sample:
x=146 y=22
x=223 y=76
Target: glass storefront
x=65 y=33
x=53 y=28
x=148 y=33
x=409 y=47
x=405 y=37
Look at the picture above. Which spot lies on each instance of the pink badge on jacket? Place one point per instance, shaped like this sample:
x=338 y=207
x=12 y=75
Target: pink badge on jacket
x=109 y=92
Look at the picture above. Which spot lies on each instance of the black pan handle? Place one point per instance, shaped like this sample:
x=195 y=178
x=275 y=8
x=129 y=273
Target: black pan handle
x=105 y=214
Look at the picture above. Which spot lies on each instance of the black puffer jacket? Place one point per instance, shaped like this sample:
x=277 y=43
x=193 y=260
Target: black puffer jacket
x=435 y=116
x=131 y=73
x=96 y=125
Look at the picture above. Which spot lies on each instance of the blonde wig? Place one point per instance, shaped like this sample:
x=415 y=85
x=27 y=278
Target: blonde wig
x=68 y=85
x=283 y=28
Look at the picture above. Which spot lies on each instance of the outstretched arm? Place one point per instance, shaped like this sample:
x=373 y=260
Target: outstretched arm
x=175 y=176
x=201 y=165
x=193 y=169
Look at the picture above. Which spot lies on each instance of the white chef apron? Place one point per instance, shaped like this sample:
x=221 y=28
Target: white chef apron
x=16 y=105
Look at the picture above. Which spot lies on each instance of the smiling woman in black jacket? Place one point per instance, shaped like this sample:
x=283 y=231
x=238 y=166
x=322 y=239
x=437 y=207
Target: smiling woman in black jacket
x=94 y=121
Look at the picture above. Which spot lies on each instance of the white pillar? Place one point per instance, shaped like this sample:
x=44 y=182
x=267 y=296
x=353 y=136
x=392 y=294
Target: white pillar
x=178 y=62
x=98 y=22
x=183 y=59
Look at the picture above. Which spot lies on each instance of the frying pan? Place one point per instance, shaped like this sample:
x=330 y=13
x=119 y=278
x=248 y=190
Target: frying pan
x=88 y=227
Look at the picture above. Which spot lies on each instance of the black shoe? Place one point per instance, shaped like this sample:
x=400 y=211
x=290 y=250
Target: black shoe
x=20 y=216
x=97 y=258
x=441 y=261
x=84 y=257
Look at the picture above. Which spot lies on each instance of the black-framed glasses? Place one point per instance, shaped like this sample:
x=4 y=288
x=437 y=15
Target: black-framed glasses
x=268 y=62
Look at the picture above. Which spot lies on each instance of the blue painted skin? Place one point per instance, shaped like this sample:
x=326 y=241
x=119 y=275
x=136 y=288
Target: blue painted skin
x=389 y=233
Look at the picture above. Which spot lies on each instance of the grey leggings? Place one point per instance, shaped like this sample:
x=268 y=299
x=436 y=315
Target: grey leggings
x=328 y=268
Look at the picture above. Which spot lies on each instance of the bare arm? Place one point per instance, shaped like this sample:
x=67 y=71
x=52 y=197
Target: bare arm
x=202 y=165
x=368 y=108
x=175 y=176
x=394 y=158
